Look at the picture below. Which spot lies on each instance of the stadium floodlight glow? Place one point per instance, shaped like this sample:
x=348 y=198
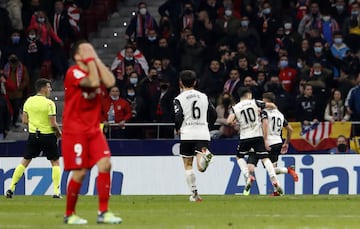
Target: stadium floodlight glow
x=105 y=45
x=115 y=34
x=25 y=130
x=55 y=98
x=125 y=24
x=133 y=13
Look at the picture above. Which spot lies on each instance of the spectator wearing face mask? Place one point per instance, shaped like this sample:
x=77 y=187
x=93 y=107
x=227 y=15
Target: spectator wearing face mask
x=15 y=45
x=116 y=112
x=287 y=74
x=149 y=92
x=339 y=48
x=228 y=23
x=342 y=146
x=352 y=20
x=249 y=35
x=151 y=47
x=320 y=54
x=140 y=25
x=130 y=55
x=292 y=39
x=33 y=56
x=340 y=11
x=230 y=7
x=47 y=36
x=18 y=78
x=267 y=23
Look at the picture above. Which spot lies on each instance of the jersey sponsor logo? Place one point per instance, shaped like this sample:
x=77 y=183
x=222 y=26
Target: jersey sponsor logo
x=78 y=74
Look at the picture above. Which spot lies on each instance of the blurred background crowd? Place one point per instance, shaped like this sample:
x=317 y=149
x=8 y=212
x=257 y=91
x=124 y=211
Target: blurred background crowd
x=306 y=52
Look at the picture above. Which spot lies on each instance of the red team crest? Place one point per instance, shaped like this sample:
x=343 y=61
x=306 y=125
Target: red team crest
x=319 y=136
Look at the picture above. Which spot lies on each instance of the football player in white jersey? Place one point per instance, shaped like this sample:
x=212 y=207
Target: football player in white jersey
x=193 y=115
x=248 y=112
x=275 y=123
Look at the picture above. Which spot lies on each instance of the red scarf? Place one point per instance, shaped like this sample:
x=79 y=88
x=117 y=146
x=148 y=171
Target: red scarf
x=19 y=73
x=142 y=27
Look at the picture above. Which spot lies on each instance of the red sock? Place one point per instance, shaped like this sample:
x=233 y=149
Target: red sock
x=103 y=186
x=72 y=196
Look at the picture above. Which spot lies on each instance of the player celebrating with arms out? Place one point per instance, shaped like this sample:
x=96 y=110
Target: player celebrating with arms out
x=83 y=143
x=275 y=123
x=246 y=112
x=193 y=114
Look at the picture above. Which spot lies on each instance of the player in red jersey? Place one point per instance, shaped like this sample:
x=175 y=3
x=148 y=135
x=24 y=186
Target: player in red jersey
x=83 y=143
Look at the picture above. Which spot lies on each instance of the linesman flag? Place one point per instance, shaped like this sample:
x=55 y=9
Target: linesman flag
x=318 y=136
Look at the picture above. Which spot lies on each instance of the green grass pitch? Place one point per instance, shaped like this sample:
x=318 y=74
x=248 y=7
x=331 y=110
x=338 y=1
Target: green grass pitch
x=216 y=211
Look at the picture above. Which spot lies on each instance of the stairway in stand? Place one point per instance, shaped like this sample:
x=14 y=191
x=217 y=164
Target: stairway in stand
x=104 y=25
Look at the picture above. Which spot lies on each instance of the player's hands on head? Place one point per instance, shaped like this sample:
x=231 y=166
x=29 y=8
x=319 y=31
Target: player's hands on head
x=87 y=51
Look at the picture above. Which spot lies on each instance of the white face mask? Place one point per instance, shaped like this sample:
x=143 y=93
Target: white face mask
x=143 y=11
x=228 y=13
x=129 y=58
x=114 y=97
x=287 y=26
x=338 y=40
x=299 y=64
x=133 y=80
x=32 y=36
x=41 y=20
x=326 y=18
x=283 y=63
x=245 y=23
x=317 y=49
x=266 y=11
x=317 y=73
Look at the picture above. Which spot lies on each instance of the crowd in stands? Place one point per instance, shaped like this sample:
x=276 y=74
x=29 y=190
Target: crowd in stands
x=306 y=52
x=35 y=37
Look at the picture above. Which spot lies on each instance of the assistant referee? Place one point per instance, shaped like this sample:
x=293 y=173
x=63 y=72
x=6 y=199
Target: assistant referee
x=39 y=113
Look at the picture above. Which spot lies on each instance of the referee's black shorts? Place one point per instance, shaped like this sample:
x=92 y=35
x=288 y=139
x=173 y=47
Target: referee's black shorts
x=45 y=143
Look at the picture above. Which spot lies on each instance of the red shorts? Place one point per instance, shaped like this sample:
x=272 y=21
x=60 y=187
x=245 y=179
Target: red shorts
x=83 y=150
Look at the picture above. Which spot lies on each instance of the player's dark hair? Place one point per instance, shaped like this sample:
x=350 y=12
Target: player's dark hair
x=242 y=91
x=40 y=83
x=188 y=78
x=75 y=48
x=269 y=96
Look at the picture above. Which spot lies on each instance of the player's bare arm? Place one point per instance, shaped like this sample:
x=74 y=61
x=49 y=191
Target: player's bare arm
x=231 y=120
x=54 y=125
x=88 y=57
x=265 y=126
x=106 y=77
x=285 y=145
x=25 y=118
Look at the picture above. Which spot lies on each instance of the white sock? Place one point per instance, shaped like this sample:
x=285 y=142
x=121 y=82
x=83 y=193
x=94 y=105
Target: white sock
x=244 y=167
x=270 y=169
x=190 y=179
x=281 y=170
